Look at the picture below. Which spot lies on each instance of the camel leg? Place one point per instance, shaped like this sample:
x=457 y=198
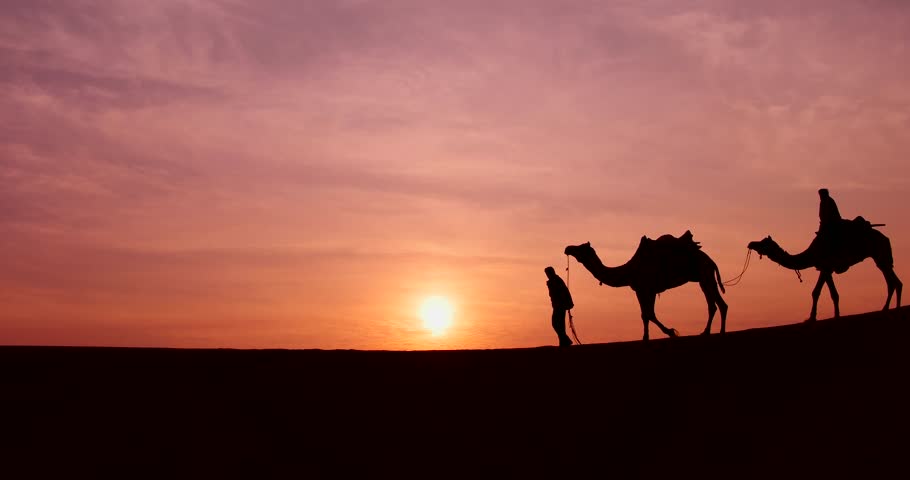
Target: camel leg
x=715 y=301
x=646 y=301
x=670 y=332
x=816 y=292
x=722 y=305
x=899 y=286
x=712 y=307
x=894 y=285
x=647 y=310
x=829 y=280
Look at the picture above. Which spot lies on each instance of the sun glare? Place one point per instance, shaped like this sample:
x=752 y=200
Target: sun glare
x=436 y=313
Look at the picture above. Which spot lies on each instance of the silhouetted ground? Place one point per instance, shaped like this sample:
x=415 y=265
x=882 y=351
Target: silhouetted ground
x=796 y=401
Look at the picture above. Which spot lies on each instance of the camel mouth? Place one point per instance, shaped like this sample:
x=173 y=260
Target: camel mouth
x=566 y=251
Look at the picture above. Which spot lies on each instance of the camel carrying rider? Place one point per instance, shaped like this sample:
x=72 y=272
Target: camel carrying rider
x=561 y=300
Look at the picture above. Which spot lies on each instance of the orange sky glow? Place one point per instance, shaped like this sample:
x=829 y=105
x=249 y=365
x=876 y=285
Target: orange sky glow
x=284 y=174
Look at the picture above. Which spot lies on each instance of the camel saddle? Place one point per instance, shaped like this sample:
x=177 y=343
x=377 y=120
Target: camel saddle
x=846 y=226
x=669 y=244
x=860 y=222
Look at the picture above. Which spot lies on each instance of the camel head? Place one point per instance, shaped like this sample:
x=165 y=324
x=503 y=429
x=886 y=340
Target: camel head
x=765 y=246
x=581 y=252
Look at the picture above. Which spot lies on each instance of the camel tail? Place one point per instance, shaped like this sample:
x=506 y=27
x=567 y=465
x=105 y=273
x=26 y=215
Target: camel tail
x=720 y=283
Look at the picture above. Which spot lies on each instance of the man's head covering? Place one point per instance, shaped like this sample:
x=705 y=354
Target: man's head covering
x=549 y=271
x=823 y=192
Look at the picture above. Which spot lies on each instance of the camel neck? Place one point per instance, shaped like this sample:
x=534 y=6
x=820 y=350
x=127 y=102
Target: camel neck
x=800 y=261
x=612 y=276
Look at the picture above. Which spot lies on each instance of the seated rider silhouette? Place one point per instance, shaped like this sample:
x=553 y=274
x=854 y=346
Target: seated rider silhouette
x=829 y=218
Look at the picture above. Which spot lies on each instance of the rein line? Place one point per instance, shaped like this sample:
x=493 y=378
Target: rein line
x=571 y=321
x=735 y=280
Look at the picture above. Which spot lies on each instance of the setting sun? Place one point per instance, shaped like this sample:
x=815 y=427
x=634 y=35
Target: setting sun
x=436 y=313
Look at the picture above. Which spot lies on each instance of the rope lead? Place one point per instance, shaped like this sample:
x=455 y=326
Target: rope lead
x=571 y=320
x=735 y=280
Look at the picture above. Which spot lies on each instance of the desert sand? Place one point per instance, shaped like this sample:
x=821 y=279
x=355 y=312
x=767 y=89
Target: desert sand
x=824 y=400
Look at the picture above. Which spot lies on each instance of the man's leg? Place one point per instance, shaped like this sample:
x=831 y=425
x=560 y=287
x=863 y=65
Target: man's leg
x=559 y=326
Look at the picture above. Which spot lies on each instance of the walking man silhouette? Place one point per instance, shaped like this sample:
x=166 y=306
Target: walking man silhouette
x=561 y=300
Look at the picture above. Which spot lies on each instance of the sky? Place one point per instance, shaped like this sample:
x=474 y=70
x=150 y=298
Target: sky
x=304 y=173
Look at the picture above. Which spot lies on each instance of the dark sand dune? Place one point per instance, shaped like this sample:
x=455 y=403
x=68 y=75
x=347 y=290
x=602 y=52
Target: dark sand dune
x=796 y=401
